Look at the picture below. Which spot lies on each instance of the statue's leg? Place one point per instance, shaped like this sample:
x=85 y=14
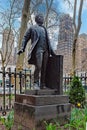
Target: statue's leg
x=36 y=75
x=43 y=70
x=39 y=58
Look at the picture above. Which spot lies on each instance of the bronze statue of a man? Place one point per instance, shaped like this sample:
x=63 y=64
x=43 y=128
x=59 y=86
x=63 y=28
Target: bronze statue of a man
x=40 y=50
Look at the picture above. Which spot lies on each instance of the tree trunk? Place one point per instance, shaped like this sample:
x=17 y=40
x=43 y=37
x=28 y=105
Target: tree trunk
x=25 y=14
x=24 y=20
x=77 y=29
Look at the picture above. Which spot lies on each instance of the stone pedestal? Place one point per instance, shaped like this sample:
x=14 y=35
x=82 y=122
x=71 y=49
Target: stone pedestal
x=35 y=107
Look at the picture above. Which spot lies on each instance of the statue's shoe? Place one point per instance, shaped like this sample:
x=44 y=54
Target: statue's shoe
x=36 y=87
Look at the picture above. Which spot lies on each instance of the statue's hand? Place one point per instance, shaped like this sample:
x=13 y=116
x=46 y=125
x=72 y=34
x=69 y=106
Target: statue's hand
x=20 y=51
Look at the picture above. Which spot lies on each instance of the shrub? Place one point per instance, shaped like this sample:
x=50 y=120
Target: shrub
x=78 y=119
x=8 y=120
x=77 y=92
x=52 y=125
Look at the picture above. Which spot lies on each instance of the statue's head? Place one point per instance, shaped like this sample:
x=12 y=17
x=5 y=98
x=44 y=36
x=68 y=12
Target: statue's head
x=39 y=19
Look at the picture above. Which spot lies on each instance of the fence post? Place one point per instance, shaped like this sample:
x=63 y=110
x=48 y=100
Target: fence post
x=25 y=79
x=30 y=78
x=65 y=82
x=9 y=87
x=20 y=76
x=4 y=111
x=15 y=83
x=85 y=79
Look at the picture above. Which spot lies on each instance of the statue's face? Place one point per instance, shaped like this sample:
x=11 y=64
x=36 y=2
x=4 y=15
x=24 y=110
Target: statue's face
x=39 y=19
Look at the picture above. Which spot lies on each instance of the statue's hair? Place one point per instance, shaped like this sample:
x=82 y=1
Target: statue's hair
x=39 y=18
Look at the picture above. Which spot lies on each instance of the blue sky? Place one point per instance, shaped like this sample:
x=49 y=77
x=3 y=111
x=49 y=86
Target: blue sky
x=84 y=22
x=4 y=3
x=64 y=8
x=61 y=6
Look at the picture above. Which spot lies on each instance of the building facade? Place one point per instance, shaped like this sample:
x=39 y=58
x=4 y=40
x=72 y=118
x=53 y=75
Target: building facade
x=81 y=53
x=65 y=41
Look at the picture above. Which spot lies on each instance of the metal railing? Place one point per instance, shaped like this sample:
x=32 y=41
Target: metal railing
x=18 y=82
x=11 y=84
x=67 y=81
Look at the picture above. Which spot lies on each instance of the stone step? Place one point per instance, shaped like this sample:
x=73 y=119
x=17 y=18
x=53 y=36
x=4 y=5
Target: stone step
x=40 y=100
x=41 y=92
x=30 y=116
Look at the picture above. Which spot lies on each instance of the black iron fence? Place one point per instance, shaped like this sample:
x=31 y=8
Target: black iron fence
x=12 y=83
x=67 y=81
x=15 y=82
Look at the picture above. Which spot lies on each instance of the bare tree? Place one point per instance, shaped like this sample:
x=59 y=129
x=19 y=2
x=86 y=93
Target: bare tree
x=77 y=26
x=8 y=19
x=49 y=9
x=24 y=20
x=8 y=32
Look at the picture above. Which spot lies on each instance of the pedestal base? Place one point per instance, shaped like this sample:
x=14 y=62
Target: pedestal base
x=32 y=110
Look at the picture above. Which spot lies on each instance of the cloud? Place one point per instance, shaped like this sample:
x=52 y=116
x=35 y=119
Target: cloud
x=85 y=5
x=19 y=19
x=66 y=8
